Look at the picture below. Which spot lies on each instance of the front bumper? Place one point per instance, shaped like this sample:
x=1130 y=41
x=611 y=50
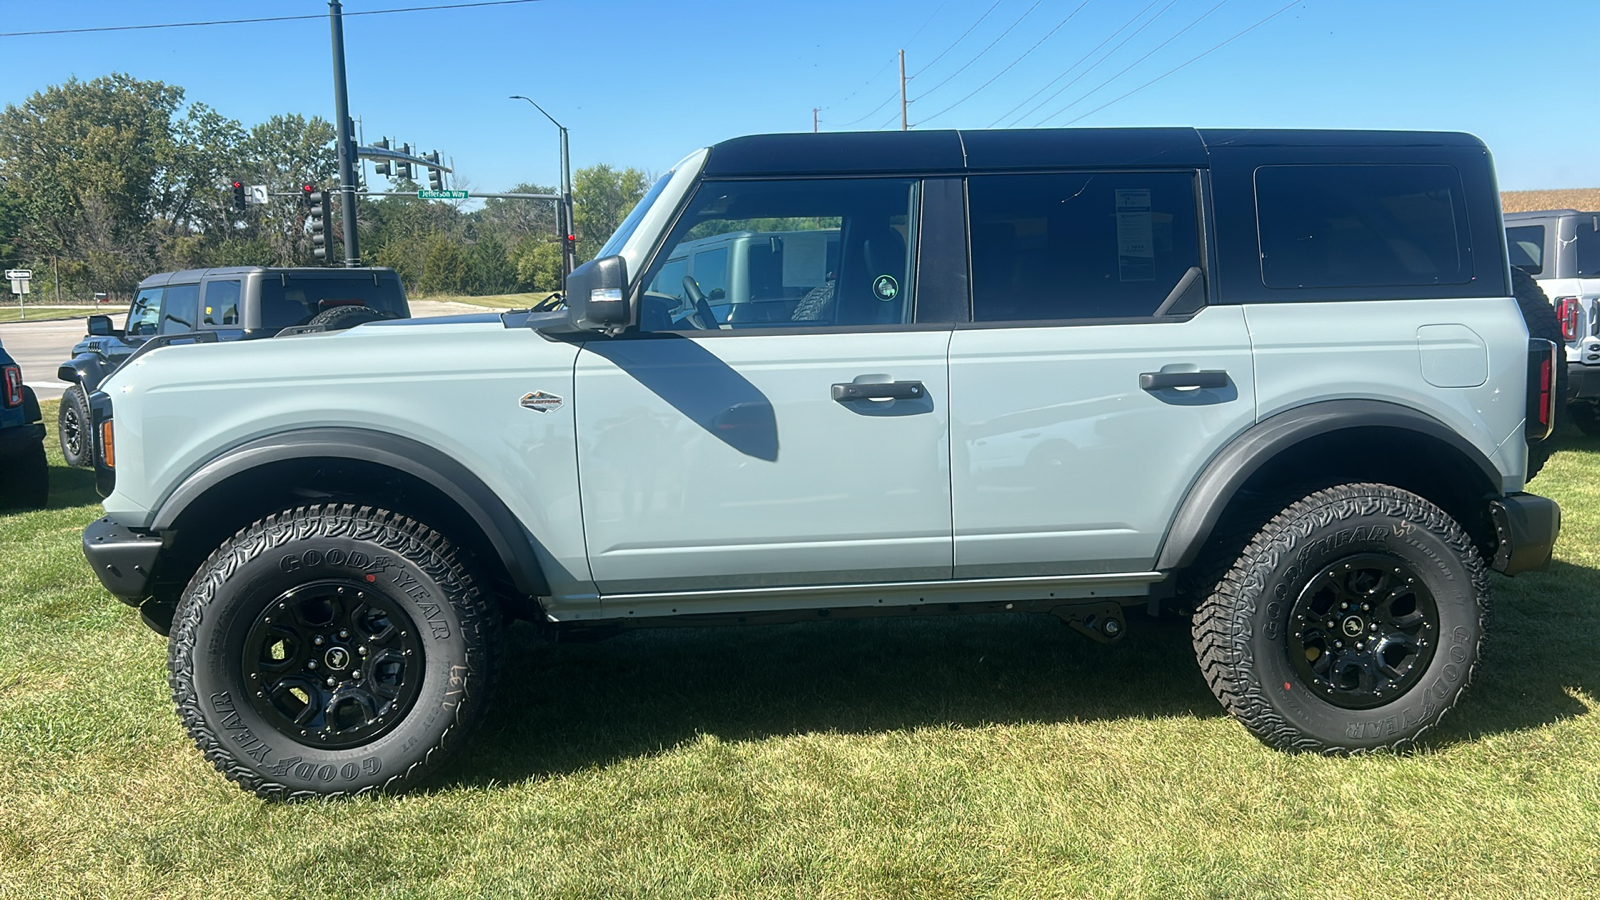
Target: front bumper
x=1526 y=527
x=122 y=559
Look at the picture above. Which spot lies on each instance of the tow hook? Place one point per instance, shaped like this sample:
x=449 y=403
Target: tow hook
x=1100 y=620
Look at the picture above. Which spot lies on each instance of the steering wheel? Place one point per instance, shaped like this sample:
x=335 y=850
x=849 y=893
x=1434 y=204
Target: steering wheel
x=702 y=309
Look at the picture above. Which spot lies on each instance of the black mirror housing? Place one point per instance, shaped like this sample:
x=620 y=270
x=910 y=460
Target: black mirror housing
x=597 y=295
x=100 y=326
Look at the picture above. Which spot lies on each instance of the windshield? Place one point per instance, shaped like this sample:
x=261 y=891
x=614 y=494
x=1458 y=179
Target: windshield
x=631 y=223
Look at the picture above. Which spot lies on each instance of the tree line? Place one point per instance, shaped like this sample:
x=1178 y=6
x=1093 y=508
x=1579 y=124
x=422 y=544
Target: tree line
x=110 y=180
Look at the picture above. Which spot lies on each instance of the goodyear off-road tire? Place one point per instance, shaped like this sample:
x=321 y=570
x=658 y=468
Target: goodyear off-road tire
x=1540 y=317
x=342 y=317
x=332 y=650
x=72 y=424
x=25 y=479
x=1384 y=574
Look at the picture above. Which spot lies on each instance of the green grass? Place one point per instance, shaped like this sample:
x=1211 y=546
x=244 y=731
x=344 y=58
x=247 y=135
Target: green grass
x=36 y=314
x=494 y=301
x=963 y=757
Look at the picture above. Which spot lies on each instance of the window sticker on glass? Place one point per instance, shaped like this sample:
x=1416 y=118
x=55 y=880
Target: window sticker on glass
x=805 y=258
x=1136 y=250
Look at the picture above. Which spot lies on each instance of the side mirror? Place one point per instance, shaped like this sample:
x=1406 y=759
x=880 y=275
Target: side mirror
x=597 y=295
x=100 y=326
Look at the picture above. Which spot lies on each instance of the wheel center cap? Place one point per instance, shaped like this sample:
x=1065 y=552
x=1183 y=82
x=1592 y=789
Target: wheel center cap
x=338 y=657
x=1352 y=627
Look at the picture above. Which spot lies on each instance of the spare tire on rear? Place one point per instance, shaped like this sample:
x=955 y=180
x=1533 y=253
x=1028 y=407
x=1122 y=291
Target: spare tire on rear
x=1540 y=317
x=342 y=317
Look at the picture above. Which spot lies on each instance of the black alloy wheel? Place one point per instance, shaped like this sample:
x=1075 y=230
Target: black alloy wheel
x=335 y=662
x=72 y=423
x=1364 y=630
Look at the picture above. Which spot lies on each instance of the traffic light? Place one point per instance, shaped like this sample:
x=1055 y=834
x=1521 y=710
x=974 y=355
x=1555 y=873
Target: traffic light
x=381 y=167
x=435 y=177
x=402 y=168
x=319 y=218
x=238 y=195
x=306 y=191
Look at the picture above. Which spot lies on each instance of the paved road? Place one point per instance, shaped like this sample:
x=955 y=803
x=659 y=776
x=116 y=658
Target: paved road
x=41 y=347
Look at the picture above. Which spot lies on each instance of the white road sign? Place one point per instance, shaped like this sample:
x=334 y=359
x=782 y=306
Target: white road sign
x=19 y=273
x=258 y=193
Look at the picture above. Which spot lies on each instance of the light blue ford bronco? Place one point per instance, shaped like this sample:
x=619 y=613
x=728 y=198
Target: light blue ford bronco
x=1274 y=380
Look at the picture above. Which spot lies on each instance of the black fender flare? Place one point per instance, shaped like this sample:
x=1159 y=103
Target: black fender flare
x=1210 y=493
x=504 y=531
x=83 y=369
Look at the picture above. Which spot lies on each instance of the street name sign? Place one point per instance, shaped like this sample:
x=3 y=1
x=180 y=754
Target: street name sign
x=441 y=195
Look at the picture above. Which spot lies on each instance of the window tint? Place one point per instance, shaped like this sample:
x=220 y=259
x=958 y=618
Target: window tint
x=179 y=309
x=788 y=254
x=1361 y=226
x=1588 y=245
x=1082 y=246
x=1525 y=244
x=144 y=313
x=222 y=303
x=296 y=302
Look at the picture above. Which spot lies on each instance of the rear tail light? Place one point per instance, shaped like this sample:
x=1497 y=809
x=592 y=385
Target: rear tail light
x=1568 y=312
x=13 y=386
x=1542 y=395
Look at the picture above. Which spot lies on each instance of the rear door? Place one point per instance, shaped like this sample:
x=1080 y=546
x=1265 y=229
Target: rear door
x=1079 y=417
x=810 y=450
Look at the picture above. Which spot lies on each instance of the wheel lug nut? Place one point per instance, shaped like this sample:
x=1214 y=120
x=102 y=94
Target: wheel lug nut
x=343 y=633
x=1360 y=646
x=1339 y=644
x=317 y=640
x=330 y=682
x=1373 y=627
x=312 y=664
x=1344 y=606
x=356 y=675
x=362 y=649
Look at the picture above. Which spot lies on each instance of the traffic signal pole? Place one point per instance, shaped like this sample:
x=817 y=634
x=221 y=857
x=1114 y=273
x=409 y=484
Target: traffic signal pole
x=347 y=150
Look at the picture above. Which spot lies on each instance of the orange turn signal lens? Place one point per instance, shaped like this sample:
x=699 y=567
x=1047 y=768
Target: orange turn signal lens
x=107 y=448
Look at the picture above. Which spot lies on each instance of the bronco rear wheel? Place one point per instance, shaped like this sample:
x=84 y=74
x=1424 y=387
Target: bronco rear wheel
x=1352 y=622
x=332 y=650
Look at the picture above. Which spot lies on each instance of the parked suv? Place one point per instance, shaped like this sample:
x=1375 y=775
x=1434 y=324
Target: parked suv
x=24 y=473
x=1560 y=248
x=1273 y=377
x=220 y=304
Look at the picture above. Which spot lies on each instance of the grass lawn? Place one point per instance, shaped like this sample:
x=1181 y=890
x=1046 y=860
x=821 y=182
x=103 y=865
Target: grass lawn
x=36 y=314
x=964 y=757
x=494 y=301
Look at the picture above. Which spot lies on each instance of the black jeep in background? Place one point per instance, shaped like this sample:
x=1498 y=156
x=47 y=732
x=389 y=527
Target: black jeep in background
x=24 y=474
x=227 y=304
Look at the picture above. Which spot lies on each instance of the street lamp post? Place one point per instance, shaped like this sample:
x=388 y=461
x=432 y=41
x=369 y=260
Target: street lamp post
x=565 y=216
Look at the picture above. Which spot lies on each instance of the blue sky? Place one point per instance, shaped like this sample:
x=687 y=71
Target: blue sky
x=641 y=84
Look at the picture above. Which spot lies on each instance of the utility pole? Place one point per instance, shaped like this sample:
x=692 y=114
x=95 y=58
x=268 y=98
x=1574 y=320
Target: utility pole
x=814 y=111
x=903 y=125
x=347 y=151
x=564 y=213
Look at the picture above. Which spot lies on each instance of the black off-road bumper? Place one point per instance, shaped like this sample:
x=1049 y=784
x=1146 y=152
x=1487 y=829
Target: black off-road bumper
x=1583 y=382
x=1526 y=527
x=16 y=440
x=122 y=559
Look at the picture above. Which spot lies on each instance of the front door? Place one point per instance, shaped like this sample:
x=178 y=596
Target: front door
x=808 y=448
x=1093 y=383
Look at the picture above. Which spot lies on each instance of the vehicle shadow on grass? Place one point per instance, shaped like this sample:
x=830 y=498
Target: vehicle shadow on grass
x=564 y=707
x=71 y=487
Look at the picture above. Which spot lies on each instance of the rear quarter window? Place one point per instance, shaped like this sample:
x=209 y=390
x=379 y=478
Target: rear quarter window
x=297 y=299
x=1355 y=226
x=1525 y=245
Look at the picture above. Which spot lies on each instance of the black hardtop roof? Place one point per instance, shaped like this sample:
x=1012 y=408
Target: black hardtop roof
x=924 y=152
x=164 y=278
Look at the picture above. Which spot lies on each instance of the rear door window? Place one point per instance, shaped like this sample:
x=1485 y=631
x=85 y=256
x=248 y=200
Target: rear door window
x=1347 y=226
x=1080 y=246
x=222 y=304
x=180 y=308
x=1588 y=238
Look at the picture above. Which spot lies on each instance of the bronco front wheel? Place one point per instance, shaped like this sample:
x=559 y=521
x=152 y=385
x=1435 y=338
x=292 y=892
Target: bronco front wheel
x=331 y=650
x=1352 y=622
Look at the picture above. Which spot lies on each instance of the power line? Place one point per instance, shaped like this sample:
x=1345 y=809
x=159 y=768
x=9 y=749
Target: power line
x=368 y=12
x=1080 y=61
x=883 y=68
x=963 y=36
x=1008 y=68
x=1096 y=64
x=1141 y=59
x=984 y=50
x=1194 y=60
x=874 y=111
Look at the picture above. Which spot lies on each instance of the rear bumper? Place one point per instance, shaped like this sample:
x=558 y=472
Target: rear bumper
x=23 y=437
x=1526 y=527
x=1583 y=382
x=121 y=558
